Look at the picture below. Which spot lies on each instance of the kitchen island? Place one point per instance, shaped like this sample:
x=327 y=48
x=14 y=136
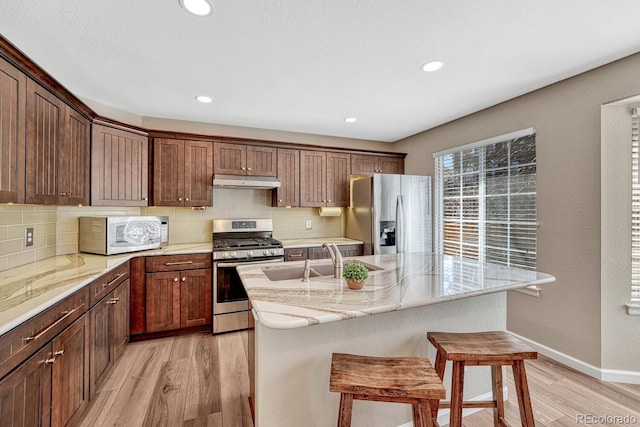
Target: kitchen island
x=298 y=325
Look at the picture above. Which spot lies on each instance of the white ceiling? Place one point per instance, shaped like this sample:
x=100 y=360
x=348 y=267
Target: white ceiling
x=305 y=65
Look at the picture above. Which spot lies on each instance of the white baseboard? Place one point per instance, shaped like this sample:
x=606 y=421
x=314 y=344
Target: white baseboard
x=612 y=375
x=443 y=414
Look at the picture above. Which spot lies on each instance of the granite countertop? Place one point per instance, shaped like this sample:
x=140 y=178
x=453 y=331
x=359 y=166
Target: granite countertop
x=29 y=289
x=317 y=242
x=406 y=281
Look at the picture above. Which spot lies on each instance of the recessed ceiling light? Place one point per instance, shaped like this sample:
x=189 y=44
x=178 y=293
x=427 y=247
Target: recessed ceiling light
x=204 y=99
x=350 y=119
x=197 y=7
x=432 y=66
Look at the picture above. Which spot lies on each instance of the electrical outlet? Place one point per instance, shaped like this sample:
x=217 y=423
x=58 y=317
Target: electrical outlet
x=28 y=236
x=307 y=224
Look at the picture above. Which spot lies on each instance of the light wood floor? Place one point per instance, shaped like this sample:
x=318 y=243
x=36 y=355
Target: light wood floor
x=202 y=380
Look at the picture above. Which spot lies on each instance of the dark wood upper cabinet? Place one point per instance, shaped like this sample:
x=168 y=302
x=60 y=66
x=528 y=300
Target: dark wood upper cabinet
x=13 y=94
x=324 y=178
x=240 y=159
x=58 y=140
x=288 y=194
x=313 y=178
x=368 y=164
x=338 y=172
x=119 y=167
x=182 y=172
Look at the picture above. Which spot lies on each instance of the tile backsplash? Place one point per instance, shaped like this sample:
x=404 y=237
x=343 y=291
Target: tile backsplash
x=56 y=227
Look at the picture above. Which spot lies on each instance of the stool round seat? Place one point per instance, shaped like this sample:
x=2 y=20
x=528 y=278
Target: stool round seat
x=411 y=380
x=495 y=349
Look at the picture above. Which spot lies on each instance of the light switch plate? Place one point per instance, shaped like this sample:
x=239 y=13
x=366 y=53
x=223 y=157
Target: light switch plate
x=307 y=224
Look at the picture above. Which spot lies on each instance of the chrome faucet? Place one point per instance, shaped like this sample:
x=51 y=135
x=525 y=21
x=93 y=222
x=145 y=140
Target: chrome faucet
x=336 y=258
x=307 y=270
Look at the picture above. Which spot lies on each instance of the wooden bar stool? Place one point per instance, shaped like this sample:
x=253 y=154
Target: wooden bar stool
x=493 y=349
x=409 y=380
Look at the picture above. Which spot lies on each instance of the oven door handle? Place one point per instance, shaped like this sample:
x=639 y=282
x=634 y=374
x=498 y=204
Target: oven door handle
x=235 y=264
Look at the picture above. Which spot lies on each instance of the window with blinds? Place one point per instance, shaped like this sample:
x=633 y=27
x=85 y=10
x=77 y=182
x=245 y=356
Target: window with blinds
x=486 y=200
x=635 y=210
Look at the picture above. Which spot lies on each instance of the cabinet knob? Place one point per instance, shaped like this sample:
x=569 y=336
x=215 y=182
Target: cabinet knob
x=187 y=199
x=175 y=280
x=58 y=353
x=243 y=168
x=328 y=201
x=179 y=199
x=145 y=198
x=248 y=169
x=184 y=279
x=280 y=200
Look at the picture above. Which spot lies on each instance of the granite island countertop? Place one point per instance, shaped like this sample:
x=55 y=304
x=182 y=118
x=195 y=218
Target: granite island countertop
x=30 y=289
x=406 y=281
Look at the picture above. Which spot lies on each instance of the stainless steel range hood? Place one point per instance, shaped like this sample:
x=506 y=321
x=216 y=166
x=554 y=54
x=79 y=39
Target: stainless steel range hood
x=250 y=182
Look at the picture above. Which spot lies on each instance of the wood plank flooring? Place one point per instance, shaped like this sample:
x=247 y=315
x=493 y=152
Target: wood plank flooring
x=202 y=380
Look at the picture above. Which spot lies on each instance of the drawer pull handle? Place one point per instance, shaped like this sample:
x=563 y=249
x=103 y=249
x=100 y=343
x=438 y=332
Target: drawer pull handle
x=295 y=255
x=106 y=285
x=178 y=263
x=58 y=353
x=50 y=361
x=48 y=328
x=113 y=301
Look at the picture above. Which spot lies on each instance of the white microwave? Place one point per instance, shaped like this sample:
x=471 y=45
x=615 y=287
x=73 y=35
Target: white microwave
x=109 y=235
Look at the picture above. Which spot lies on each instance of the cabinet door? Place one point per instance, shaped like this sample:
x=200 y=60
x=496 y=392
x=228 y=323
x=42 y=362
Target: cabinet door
x=261 y=161
x=364 y=164
x=45 y=120
x=350 y=250
x=338 y=172
x=163 y=301
x=120 y=318
x=73 y=176
x=25 y=394
x=168 y=172
x=230 y=159
x=195 y=298
x=391 y=165
x=70 y=377
x=119 y=167
x=313 y=178
x=198 y=173
x=12 y=133
x=288 y=194
x=101 y=353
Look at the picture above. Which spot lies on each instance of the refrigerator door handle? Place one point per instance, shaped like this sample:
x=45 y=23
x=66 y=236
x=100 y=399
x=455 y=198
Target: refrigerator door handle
x=400 y=225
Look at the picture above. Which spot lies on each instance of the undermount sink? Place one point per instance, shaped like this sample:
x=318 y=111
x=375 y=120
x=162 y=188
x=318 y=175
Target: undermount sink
x=289 y=273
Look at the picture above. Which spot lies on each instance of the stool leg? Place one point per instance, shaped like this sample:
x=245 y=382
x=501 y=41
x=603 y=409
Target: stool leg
x=522 y=390
x=346 y=406
x=417 y=414
x=457 y=389
x=498 y=396
x=439 y=367
x=427 y=410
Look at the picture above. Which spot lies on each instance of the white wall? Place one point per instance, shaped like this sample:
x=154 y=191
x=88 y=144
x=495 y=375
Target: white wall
x=567 y=317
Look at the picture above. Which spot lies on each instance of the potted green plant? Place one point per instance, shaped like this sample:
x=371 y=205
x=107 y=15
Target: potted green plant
x=355 y=274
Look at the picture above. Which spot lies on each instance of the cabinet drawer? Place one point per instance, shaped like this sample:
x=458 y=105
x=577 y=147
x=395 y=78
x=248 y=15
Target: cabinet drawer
x=22 y=341
x=107 y=282
x=295 y=254
x=178 y=262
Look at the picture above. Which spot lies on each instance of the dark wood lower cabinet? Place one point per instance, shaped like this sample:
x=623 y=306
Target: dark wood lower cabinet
x=195 y=298
x=70 y=376
x=25 y=394
x=109 y=321
x=345 y=251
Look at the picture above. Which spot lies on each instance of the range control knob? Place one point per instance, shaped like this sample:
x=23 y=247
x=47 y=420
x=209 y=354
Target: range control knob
x=249 y=254
x=265 y=252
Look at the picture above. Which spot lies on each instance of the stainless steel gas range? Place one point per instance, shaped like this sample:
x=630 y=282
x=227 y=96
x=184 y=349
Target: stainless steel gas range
x=235 y=242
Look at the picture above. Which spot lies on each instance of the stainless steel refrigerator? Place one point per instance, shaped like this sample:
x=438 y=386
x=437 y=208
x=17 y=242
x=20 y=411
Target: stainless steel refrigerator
x=391 y=213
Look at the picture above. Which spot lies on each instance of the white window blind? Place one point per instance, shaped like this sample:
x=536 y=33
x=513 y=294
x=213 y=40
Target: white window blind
x=635 y=210
x=486 y=200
